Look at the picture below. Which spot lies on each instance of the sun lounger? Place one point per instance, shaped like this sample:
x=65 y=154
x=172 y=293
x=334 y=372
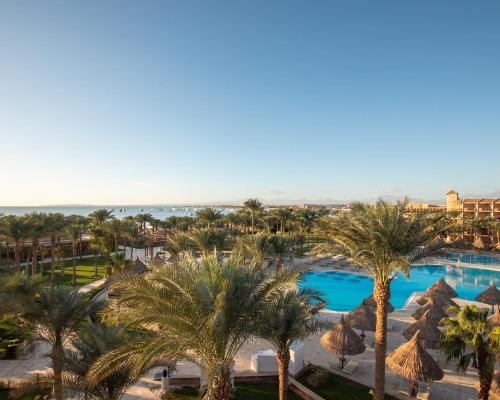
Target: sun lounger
x=351 y=367
x=424 y=394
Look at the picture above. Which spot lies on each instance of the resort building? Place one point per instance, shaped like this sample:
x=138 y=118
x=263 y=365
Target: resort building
x=474 y=208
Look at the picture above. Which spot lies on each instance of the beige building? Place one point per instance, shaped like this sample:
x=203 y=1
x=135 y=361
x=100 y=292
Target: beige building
x=476 y=208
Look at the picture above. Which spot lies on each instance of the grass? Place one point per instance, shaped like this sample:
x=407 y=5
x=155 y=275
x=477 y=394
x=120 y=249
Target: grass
x=339 y=388
x=244 y=391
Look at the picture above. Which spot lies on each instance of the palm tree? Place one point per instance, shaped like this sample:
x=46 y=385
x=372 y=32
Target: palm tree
x=469 y=338
x=208 y=240
x=73 y=231
x=253 y=206
x=282 y=215
x=118 y=263
x=281 y=248
x=17 y=231
x=117 y=229
x=294 y=316
x=384 y=240
x=143 y=219
x=200 y=312
x=54 y=226
x=178 y=244
x=209 y=216
x=99 y=217
x=54 y=318
x=16 y=292
x=474 y=226
x=93 y=341
x=36 y=223
x=255 y=248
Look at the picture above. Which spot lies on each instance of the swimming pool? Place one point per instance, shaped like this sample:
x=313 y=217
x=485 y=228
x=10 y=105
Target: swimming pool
x=345 y=291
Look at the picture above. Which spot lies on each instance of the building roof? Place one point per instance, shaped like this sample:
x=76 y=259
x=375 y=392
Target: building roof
x=452 y=192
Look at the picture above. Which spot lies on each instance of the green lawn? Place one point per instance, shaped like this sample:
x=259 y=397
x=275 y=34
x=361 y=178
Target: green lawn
x=244 y=391
x=85 y=271
x=339 y=388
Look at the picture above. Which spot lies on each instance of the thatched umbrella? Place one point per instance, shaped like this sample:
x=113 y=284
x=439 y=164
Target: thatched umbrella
x=362 y=318
x=370 y=302
x=139 y=266
x=441 y=298
x=478 y=244
x=429 y=332
x=436 y=312
x=413 y=362
x=494 y=320
x=490 y=296
x=341 y=339
x=441 y=286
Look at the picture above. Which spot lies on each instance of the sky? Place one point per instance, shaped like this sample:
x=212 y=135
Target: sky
x=163 y=102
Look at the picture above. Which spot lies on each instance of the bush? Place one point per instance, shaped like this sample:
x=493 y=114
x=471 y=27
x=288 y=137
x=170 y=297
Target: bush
x=318 y=378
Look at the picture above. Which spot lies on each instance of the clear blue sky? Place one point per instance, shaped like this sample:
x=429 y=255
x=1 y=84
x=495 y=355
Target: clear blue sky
x=188 y=101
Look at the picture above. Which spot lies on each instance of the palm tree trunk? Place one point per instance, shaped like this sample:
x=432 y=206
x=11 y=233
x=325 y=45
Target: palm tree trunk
x=283 y=362
x=17 y=258
x=52 y=261
x=485 y=374
x=34 y=257
x=95 y=263
x=221 y=385
x=381 y=294
x=57 y=370
x=73 y=280
x=253 y=222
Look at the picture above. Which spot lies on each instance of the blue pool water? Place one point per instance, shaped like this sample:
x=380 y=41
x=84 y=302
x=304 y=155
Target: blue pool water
x=345 y=291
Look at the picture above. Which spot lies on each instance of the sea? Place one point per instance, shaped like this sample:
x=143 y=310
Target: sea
x=119 y=211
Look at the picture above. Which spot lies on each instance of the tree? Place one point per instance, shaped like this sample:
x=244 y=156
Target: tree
x=54 y=227
x=200 y=312
x=293 y=316
x=383 y=239
x=16 y=230
x=209 y=216
x=253 y=206
x=54 y=318
x=469 y=338
x=93 y=341
x=117 y=229
x=36 y=227
x=281 y=248
x=282 y=215
x=208 y=240
x=73 y=231
x=256 y=248
x=99 y=217
x=16 y=292
x=143 y=220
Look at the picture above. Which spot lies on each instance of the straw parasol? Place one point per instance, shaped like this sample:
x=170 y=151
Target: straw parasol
x=139 y=266
x=341 y=339
x=413 y=362
x=490 y=296
x=494 y=320
x=429 y=332
x=442 y=286
x=370 y=302
x=478 y=244
x=441 y=298
x=362 y=318
x=436 y=312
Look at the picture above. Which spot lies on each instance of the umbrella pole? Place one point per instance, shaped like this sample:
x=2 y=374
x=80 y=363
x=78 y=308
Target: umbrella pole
x=342 y=361
x=363 y=335
x=413 y=388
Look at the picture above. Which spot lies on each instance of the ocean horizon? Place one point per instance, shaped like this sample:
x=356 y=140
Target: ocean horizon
x=119 y=211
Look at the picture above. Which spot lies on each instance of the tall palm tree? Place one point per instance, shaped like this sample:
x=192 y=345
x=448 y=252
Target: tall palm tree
x=117 y=229
x=383 y=239
x=253 y=206
x=36 y=223
x=73 y=231
x=99 y=217
x=16 y=230
x=256 y=248
x=200 y=312
x=54 y=227
x=282 y=214
x=178 y=244
x=209 y=216
x=93 y=341
x=208 y=240
x=281 y=248
x=469 y=338
x=294 y=316
x=143 y=219
x=54 y=318
x=16 y=292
